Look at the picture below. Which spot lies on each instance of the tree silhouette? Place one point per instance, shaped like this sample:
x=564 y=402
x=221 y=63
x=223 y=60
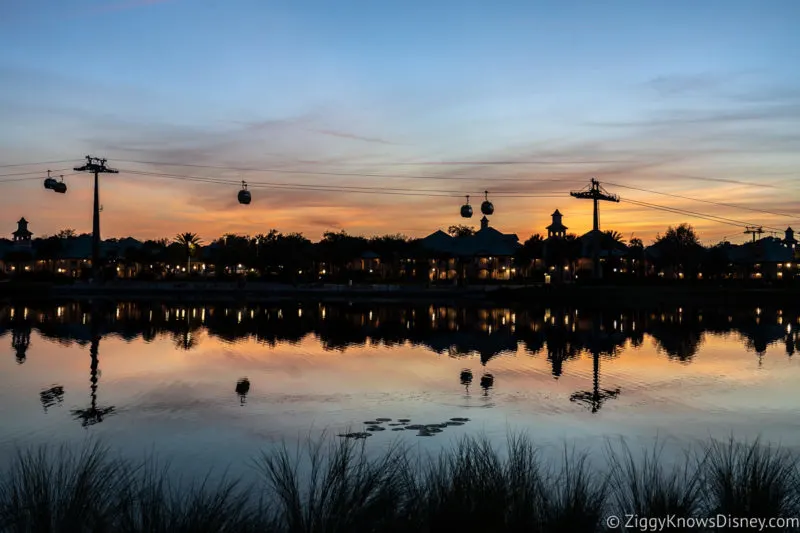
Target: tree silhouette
x=66 y=233
x=636 y=254
x=461 y=230
x=531 y=250
x=190 y=241
x=680 y=247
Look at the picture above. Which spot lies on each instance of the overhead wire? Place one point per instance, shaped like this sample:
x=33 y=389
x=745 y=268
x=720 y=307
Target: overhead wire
x=14 y=180
x=331 y=188
x=435 y=193
x=349 y=174
x=39 y=172
x=714 y=218
x=392 y=191
x=398 y=176
x=722 y=204
x=35 y=164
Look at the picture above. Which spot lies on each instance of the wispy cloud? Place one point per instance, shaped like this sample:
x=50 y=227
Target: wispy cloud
x=132 y=4
x=346 y=135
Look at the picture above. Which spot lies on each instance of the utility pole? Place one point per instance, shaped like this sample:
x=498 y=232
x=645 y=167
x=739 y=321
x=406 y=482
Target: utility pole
x=98 y=166
x=596 y=193
x=755 y=230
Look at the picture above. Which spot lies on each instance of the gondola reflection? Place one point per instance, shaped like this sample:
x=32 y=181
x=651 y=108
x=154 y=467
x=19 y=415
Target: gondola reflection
x=472 y=333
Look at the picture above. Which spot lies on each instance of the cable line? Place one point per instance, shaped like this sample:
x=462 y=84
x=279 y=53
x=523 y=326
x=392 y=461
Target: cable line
x=350 y=174
x=39 y=163
x=789 y=215
x=39 y=172
x=695 y=213
x=340 y=188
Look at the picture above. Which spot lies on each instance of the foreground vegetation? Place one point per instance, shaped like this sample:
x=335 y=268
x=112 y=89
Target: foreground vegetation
x=336 y=487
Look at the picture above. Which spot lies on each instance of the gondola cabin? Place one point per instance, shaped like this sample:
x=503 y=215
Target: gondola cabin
x=57 y=186
x=487 y=208
x=466 y=209
x=244 y=195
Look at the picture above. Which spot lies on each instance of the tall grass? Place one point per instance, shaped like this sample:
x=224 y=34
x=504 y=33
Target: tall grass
x=329 y=486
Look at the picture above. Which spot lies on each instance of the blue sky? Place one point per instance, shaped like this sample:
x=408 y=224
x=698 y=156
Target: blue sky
x=639 y=93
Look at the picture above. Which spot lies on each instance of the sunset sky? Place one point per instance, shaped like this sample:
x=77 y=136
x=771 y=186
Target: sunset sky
x=528 y=99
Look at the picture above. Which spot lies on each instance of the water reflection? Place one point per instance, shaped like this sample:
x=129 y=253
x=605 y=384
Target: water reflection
x=467 y=332
x=242 y=388
x=93 y=414
x=52 y=396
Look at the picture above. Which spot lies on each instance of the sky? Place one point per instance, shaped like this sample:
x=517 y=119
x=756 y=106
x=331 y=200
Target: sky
x=417 y=103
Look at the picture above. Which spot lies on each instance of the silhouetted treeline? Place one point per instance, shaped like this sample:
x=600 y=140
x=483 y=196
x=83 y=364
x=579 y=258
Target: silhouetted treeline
x=339 y=256
x=457 y=331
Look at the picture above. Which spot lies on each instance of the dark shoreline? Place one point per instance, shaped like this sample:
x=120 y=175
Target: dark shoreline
x=628 y=296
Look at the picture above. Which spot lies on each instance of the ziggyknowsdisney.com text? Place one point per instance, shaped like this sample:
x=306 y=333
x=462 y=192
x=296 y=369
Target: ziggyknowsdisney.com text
x=642 y=523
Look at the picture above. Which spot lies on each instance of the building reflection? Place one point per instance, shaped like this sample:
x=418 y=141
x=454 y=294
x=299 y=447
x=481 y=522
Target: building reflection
x=469 y=332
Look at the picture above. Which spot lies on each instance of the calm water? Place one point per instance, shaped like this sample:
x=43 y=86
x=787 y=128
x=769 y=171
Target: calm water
x=170 y=378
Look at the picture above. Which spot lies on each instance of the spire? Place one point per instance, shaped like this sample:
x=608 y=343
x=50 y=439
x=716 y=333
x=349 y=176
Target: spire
x=484 y=223
x=557 y=228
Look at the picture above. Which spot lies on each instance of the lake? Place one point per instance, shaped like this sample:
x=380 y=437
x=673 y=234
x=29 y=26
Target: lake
x=211 y=386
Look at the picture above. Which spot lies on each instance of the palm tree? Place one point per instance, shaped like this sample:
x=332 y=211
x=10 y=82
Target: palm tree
x=615 y=236
x=191 y=241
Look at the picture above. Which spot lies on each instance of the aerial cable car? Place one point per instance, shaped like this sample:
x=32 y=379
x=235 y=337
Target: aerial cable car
x=487 y=208
x=60 y=186
x=49 y=181
x=57 y=186
x=244 y=194
x=466 y=209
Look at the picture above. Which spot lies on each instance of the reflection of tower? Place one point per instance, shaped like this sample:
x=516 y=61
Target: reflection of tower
x=595 y=398
x=487 y=382
x=242 y=388
x=52 y=396
x=93 y=414
x=20 y=342
x=466 y=379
